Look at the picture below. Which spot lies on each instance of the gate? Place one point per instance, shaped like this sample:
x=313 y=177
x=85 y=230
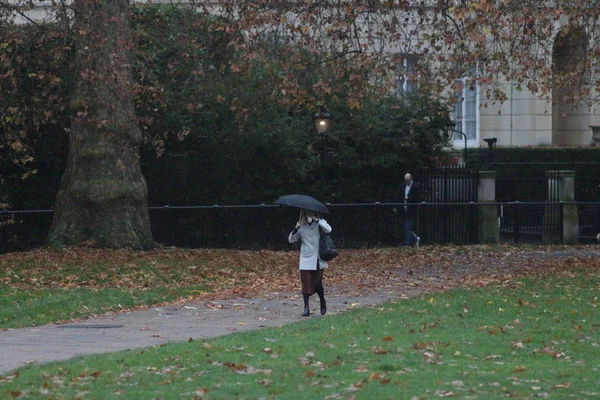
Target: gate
x=448 y=213
x=528 y=182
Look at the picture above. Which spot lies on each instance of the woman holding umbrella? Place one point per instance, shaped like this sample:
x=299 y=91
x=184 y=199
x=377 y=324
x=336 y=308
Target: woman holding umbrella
x=311 y=267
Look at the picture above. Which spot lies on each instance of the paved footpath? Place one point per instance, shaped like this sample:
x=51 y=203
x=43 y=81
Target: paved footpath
x=159 y=325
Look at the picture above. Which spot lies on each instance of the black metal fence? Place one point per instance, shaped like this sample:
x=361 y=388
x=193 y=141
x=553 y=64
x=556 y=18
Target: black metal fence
x=355 y=225
x=22 y=230
x=587 y=193
x=451 y=215
x=528 y=212
x=267 y=226
x=535 y=196
x=534 y=212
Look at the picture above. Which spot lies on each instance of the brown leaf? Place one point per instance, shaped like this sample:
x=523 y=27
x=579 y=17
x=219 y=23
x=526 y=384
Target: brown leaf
x=562 y=385
x=361 y=368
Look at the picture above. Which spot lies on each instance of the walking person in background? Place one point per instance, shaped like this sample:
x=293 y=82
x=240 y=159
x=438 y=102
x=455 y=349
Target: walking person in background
x=311 y=267
x=410 y=196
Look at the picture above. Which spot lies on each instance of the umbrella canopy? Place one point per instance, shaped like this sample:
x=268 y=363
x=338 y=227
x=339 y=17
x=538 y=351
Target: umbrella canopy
x=303 y=201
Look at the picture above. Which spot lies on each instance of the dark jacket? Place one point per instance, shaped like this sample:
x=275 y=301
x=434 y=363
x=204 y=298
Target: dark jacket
x=414 y=197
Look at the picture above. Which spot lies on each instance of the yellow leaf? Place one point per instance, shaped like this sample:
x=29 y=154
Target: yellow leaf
x=354 y=104
x=16 y=146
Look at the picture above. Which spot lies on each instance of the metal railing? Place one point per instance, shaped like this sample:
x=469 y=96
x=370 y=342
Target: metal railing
x=355 y=225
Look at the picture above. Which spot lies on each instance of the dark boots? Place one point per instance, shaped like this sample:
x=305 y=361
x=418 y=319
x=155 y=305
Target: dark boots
x=321 y=292
x=306 y=312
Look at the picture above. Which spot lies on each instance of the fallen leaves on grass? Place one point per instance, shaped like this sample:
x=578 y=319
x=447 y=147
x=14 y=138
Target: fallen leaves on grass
x=239 y=273
x=551 y=351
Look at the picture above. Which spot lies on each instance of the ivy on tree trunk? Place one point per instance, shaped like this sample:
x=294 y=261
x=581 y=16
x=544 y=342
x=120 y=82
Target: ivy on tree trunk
x=102 y=198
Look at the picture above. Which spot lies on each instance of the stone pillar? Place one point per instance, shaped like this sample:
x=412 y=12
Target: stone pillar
x=489 y=231
x=561 y=188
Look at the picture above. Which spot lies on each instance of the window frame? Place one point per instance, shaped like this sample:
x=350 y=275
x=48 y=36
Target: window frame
x=408 y=66
x=466 y=105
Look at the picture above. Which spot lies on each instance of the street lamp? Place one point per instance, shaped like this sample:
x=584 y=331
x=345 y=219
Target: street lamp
x=450 y=127
x=322 y=120
x=491 y=142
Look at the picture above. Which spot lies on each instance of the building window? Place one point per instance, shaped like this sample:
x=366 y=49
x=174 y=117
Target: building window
x=406 y=79
x=466 y=111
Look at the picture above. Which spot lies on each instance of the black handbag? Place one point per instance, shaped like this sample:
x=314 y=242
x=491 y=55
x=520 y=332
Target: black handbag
x=327 y=248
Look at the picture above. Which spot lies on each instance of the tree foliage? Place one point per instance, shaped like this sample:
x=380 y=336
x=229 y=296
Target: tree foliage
x=230 y=139
x=360 y=44
x=230 y=86
x=215 y=134
x=357 y=43
x=504 y=40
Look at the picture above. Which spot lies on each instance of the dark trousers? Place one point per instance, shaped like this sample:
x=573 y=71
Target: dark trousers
x=410 y=237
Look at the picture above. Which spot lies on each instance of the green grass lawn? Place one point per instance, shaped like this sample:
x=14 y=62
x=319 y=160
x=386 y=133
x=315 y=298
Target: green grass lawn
x=42 y=306
x=46 y=286
x=530 y=338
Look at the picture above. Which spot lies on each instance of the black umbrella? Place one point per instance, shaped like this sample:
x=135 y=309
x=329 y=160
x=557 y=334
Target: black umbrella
x=303 y=201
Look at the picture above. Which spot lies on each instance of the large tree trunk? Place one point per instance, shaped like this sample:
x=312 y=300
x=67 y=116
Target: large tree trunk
x=102 y=198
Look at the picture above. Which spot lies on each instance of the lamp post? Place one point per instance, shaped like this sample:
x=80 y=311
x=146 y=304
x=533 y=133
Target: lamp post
x=491 y=142
x=450 y=127
x=322 y=120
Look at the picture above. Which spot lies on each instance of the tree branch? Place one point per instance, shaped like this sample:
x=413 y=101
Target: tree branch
x=17 y=9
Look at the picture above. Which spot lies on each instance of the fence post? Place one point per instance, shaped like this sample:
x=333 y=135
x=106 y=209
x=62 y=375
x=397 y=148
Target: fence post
x=552 y=221
x=3 y=225
x=561 y=221
x=516 y=223
x=489 y=232
x=570 y=217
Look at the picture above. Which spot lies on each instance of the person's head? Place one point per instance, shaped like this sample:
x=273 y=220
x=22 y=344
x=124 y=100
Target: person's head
x=305 y=214
x=408 y=179
x=312 y=214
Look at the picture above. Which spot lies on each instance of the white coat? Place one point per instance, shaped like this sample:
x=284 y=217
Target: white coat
x=309 y=235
